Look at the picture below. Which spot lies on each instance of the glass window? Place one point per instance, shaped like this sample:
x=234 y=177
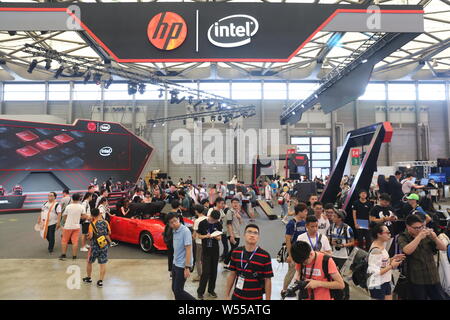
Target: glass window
x=401 y=91
x=316 y=172
x=218 y=88
x=321 y=164
x=24 y=92
x=374 y=91
x=430 y=91
x=303 y=148
x=320 y=140
x=320 y=148
x=246 y=91
x=300 y=140
x=275 y=91
x=89 y=91
x=302 y=90
x=321 y=156
x=117 y=91
x=59 y=92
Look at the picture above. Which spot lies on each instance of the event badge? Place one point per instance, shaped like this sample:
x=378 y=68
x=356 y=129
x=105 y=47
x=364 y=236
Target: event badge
x=240 y=283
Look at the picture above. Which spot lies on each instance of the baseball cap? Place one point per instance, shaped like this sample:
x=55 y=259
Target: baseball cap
x=413 y=196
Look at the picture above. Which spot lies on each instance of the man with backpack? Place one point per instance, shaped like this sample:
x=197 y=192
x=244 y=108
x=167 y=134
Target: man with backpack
x=318 y=270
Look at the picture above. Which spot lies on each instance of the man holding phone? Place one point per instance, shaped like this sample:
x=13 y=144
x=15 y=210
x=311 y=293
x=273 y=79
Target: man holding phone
x=419 y=244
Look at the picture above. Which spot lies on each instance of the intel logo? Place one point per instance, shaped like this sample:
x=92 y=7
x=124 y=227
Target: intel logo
x=233 y=31
x=105 y=127
x=105 y=151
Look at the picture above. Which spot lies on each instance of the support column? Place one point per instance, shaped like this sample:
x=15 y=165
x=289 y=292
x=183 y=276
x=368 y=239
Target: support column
x=70 y=109
x=447 y=109
x=166 y=133
x=419 y=153
x=388 y=118
x=333 y=137
x=133 y=115
x=102 y=103
x=355 y=112
x=2 y=98
x=47 y=93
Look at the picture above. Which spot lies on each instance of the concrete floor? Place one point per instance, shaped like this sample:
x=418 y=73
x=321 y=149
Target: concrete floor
x=27 y=271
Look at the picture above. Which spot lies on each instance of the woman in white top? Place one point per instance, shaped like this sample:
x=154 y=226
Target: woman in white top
x=85 y=223
x=380 y=265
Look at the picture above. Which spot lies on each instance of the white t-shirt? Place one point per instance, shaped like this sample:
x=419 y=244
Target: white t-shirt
x=345 y=237
x=324 y=225
x=324 y=243
x=73 y=212
x=102 y=210
x=53 y=218
x=196 y=223
x=377 y=261
x=268 y=192
x=87 y=207
x=407 y=186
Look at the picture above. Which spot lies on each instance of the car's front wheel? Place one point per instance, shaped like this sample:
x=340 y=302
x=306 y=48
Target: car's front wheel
x=146 y=241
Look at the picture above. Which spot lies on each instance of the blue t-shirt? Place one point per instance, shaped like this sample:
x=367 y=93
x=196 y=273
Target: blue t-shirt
x=181 y=238
x=294 y=229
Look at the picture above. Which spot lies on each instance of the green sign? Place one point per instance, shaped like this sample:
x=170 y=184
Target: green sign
x=356 y=161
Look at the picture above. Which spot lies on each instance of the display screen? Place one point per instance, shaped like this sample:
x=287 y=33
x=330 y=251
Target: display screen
x=438 y=177
x=41 y=148
x=301 y=170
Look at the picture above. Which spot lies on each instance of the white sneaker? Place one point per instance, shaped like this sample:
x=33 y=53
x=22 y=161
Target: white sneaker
x=170 y=275
x=87 y=246
x=84 y=249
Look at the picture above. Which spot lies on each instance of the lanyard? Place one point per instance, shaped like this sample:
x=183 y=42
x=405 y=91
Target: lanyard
x=317 y=241
x=242 y=258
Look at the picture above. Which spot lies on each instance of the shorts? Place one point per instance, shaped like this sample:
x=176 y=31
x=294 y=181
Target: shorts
x=95 y=253
x=70 y=234
x=380 y=292
x=85 y=228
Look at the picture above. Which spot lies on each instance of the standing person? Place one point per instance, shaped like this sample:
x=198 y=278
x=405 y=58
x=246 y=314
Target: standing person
x=85 y=222
x=252 y=198
x=408 y=184
x=384 y=213
x=341 y=237
x=71 y=231
x=294 y=228
x=361 y=209
x=200 y=213
x=65 y=200
x=94 y=194
x=220 y=206
x=168 y=234
x=100 y=236
x=182 y=256
x=251 y=266
x=329 y=211
x=322 y=219
x=310 y=268
x=380 y=266
x=313 y=198
x=103 y=195
x=419 y=244
x=234 y=221
x=50 y=220
x=268 y=193
x=109 y=184
x=105 y=212
x=193 y=193
x=284 y=201
x=222 y=190
x=316 y=240
x=412 y=207
x=210 y=253
x=395 y=189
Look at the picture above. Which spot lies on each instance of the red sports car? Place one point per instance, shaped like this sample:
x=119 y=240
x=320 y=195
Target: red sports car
x=148 y=233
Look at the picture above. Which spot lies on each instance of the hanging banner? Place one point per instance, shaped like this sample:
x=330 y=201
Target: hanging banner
x=207 y=32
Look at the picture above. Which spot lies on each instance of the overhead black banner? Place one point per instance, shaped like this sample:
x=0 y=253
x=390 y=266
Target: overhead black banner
x=185 y=32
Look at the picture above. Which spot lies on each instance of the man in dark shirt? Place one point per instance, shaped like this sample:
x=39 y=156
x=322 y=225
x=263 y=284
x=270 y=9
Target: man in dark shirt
x=251 y=269
x=210 y=253
x=383 y=212
x=419 y=244
x=361 y=209
x=395 y=189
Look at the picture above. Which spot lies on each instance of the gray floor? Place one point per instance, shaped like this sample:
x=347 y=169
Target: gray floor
x=27 y=271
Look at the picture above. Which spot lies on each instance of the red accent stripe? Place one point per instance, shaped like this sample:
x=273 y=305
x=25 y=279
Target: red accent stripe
x=251 y=261
x=244 y=298
x=261 y=255
x=251 y=289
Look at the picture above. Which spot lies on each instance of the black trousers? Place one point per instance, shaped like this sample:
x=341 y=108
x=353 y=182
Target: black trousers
x=51 y=237
x=227 y=259
x=345 y=295
x=225 y=245
x=210 y=261
x=170 y=257
x=361 y=235
x=426 y=292
x=178 y=281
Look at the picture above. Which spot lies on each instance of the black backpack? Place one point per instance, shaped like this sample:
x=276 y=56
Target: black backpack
x=359 y=269
x=336 y=294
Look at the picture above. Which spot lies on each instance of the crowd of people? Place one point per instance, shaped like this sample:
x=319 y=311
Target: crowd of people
x=318 y=241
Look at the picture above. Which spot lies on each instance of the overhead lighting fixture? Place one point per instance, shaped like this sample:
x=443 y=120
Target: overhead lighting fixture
x=132 y=88
x=316 y=96
x=97 y=78
x=210 y=104
x=213 y=118
x=12 y=33
x=141 y=88
x=219 y=118
x=154 y=125
x=190 y=99
x=364 y=61
x=48 y=64
x=184 y=121
x=293 y=112
x=173 y=96
x=33 y=65
x=160 y=93
x=58 y=72
x=163 y=124
x=108 y=83
x=87 y=76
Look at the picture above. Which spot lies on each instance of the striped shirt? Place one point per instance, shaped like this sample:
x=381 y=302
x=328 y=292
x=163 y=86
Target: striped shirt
x=253 y=272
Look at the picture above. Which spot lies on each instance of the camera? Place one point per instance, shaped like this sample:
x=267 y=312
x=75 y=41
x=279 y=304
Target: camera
x=338 y=243
x=299 y=286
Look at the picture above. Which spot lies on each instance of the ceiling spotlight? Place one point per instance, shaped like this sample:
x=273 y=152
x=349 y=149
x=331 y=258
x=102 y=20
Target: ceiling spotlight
x=75 y=70
x=132 y=88
x=190 y=99
x=203 y=119
x=33 y=65
x=316 y=96
x=213 y=118
x=97 y=78
x=154 y=125
x=219 y=118
x=58 y=72
x=12 y=33
x=173 y=96
x=184 y=121
x=163 y=124
x=108 y=83
x=293 y=112
x=302 y=105
x=141 y=88
x=210 y=104
x=87 y=76
x=364 y=61
x=160 y=93
x=48 y=64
